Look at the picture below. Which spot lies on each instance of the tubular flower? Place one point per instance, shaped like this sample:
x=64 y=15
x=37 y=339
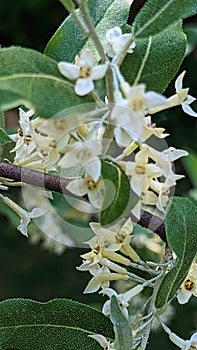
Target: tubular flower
x=185 y=101
x=24 y=214
x=180 y=98
x=84 y=72
x=113 y=239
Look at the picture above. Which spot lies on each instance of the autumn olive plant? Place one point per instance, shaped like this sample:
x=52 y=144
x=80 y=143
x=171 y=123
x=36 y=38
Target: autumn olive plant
x=87 y=128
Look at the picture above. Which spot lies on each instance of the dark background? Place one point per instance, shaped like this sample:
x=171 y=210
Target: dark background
x=29 y=271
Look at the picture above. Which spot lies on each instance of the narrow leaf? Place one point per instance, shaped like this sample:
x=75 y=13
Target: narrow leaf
x=119 y=199
x=123 y=332
x=156 y=15
x=68 y=40
x=155 y=57
x=57 y=324
x=47 y=94
x=182 y=239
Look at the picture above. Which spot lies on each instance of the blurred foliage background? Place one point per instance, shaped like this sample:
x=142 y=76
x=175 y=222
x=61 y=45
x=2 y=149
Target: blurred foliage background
x=28 y=270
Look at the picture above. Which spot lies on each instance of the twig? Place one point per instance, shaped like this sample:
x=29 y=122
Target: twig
x=58 y=184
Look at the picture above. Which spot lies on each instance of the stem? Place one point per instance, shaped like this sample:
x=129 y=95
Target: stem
x=92 y=33
x=57 y=184
x=146 y=333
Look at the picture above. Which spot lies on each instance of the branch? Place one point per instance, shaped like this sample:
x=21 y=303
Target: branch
x=35 y=178
x=58 y=184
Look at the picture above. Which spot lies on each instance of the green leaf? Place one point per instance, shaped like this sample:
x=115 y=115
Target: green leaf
x=181 y=234
x=122 y=329
x=4 y=138
x=10 y=100
x=47 y=94
x=2 y=118
x=16 y=59
x=119 y=199
x=191 y=33
x=57 y=324
x=68 y=40
x=155 y=57
x=31 y=78
x=156 y=15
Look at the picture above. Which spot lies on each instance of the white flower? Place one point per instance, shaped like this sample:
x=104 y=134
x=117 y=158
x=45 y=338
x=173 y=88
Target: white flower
x=129 y=113
x=102 y=278
x=180 y=98
x=182 y=94
x=84 y=71
x=189 y=286
x=107 y=345
x=123 y=299
x=24 y=214
x=88 y=186
x=141 y=101
x=141 y=172
x=86 y=154
x=129 y=125
x=151 y=129
x=33 y=148
x=115 y=41
x=109 y=240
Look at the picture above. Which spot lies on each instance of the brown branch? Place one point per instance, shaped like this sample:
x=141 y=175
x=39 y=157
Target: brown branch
x=58 y=184
x=35 y=178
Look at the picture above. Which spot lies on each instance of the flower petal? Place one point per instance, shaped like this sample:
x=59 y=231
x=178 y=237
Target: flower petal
x=69 y=70
x=96 y=198
x=36 y=212
x=183 y=295
x=121 y=137
x=188 y=110
x=78 y=187
x=86 y=59
x=98 y=72
x=22 y=227
x=84 y=86
x=93 y=168
x=154 y=99
x=179 y=81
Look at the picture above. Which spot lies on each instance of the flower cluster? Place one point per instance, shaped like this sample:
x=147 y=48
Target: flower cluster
x=33 y=149
x=103 y=256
